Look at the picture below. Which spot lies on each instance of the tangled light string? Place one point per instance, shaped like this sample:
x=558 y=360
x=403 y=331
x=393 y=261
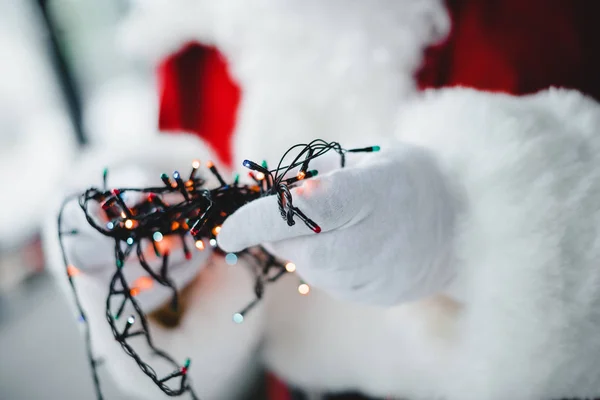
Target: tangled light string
x=199 y=213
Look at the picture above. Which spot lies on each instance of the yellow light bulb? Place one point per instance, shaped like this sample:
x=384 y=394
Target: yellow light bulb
x=301 y=175
x=196 y=164
x=290 y=267
x=216 y=229
x=199 y=244
x=303 y=289
x=260 y=176
x=123 y=215
x=129 y=224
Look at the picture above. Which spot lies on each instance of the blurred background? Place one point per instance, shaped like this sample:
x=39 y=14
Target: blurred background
x=63 y=86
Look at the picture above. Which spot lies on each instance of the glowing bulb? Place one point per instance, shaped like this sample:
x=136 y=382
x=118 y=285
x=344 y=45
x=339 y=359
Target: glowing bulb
x=260 y=176
x=72 y=270
x=130 y=241
x=157 y=236
x=213 y=242
x=199 y=244
x=238 y=318
x=123 y=215
x=231 y=259
x=196 y=164
x=135 y=291
x=129 y=224
x=301 y=175
x=143 y=283
x=303 y=288
x=209 y=164
x=290 y=267
x=110 y=225
x=216 y=229
x=176 y=175
x=131 y=320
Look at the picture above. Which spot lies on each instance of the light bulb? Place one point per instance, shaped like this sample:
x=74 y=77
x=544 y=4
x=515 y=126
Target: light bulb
x=259 y=176
x=231 y=259
x=157 y=236
x=196 y=164
x=290 y=267
x=129 y=224
x=303 y=288
x=72 y=270
x=238 y=318
x=199 y=244
x=143 y=283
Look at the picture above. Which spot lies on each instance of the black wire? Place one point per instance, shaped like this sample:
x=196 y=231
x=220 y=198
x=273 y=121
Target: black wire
x=199 y=212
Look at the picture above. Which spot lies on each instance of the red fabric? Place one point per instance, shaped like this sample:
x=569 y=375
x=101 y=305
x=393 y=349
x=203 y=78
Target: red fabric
x=513 y=46
x=276 y=389
x=518 y=47
x=198 y=95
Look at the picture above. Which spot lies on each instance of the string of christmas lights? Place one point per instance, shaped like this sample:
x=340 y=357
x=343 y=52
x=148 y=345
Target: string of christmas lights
x=199 y=212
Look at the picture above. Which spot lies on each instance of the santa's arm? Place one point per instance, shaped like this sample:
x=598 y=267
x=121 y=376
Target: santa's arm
x=526 y=171
x=487 y=201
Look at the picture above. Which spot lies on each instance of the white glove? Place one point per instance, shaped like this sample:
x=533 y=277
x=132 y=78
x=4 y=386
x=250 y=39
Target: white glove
x=93 y=253
x=387 y=227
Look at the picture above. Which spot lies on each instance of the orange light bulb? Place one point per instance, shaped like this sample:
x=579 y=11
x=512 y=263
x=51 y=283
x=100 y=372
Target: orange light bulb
x=216 y=229
x=199 y=244
x=72 y=270
x=143 y=283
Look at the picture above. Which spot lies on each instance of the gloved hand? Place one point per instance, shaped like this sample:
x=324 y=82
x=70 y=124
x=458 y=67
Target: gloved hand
x=93 y=253
x=387 y=228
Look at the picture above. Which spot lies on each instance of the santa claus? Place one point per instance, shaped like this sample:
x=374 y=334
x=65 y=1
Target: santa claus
x=460 y=262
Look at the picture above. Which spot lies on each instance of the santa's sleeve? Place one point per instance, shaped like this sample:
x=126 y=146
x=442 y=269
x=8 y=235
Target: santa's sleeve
x=526 y=248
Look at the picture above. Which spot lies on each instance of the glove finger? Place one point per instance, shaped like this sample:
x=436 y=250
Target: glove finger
x=323 y=200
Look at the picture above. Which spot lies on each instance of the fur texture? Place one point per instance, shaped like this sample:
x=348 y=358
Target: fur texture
x=521 y=321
